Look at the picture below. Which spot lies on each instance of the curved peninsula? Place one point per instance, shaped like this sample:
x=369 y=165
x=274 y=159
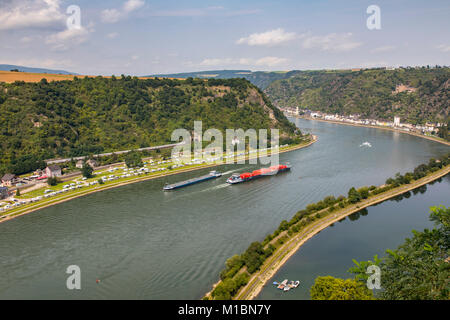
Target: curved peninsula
x=244 y=278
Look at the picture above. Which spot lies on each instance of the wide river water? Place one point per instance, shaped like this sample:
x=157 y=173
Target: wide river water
x=143 y=243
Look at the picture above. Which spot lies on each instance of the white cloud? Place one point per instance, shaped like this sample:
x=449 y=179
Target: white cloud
x=77 y=35
x=65 y=39
x=268 y=38
x=330 y=42
x=383 y=49
x=20 y=14
x=111 y=15
x=270 y=61
x=200 y=12
x=114 y=15
x=26 y=39
x=112 y=35
x=243 y=12
x=132 y=5
x=45 y=14
x=444 y=48
x=217 y=62
x=260 y=62
x=195 y=12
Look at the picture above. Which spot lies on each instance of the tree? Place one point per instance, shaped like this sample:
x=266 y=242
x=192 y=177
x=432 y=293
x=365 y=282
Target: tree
x=53 y=181
x=418 y=269
x=364 y=192
x=18 y=193
x=443 y=131
x=354 y=196
x=254 y=257
x=87 y=171
x=329 y=288
x=133 y=159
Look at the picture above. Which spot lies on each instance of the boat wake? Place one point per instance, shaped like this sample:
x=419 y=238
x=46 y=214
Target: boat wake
x=220 y=186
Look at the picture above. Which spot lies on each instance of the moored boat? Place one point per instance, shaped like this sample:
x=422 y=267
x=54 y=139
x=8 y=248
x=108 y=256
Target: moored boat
x=210 y=176
x=287 y=285
x=283 y=285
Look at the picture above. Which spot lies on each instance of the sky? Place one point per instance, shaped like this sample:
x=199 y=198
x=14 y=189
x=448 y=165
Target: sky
x=144 y=37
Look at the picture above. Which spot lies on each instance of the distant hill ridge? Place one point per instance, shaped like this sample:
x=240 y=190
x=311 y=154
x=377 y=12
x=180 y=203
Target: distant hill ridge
x=9 y=67
x=261 y=79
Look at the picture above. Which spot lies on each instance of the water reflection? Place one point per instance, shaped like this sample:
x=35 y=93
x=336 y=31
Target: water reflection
x=366 y=233
x=146 y=244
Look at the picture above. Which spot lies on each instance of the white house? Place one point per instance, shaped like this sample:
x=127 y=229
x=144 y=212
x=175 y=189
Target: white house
x=53 y=171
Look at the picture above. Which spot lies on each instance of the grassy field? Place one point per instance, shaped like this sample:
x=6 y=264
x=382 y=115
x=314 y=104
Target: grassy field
x=10 y=77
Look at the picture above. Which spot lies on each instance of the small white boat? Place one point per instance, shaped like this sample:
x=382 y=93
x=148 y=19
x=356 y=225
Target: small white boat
x=366 y=144
x=283 y=285
x=287 y=285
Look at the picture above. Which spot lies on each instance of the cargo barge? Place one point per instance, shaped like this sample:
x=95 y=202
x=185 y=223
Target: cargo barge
x=245 y=177
x=182 y=184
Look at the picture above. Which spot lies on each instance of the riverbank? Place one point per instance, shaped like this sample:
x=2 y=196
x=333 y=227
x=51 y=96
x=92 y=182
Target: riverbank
x=375 y=127
x=289 y=248
x=64 y=198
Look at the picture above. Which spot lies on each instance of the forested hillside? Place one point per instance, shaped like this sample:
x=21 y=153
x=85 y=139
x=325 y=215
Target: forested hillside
x=261 y=79
x=93 y=115
x=416 y=95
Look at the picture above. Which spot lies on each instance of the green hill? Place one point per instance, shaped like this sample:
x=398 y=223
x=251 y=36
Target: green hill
x=94 y=115
x=261 y=79
x=416 y=95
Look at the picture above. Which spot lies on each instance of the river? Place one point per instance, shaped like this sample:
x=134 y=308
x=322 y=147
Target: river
x=359 y=237
x=142 y=243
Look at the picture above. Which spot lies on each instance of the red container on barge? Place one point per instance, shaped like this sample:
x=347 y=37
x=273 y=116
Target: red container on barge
x=245 y=177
